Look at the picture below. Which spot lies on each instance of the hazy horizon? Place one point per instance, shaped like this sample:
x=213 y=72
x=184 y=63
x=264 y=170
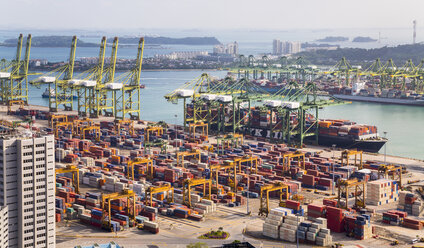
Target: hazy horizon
x=274 y=15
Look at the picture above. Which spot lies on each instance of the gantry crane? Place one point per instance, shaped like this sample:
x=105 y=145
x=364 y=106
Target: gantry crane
x=252 y=160
x=56 y=119
x=344 y=186
x=107 y=198
x=229 y=165
x=265 y=190
x=128 y=104
x=391 y=171
x=159 y=189
x=182 y=155
x=79 y=124
x=125 y=123
x=14 y=84
x=60 y=83
x=193 y=126
x=188 y=183
x=347 y=153
x=96 y=130
x=66 y=125
x=140 y=161
x=87 y=85
x=75 y=175
x=289 y=156
x=150 y=130
x=10 y=103
x=106 y=91
x=229 y=141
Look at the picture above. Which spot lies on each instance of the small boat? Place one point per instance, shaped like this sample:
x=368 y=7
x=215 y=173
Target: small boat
x=142 y=86
x=52 y=93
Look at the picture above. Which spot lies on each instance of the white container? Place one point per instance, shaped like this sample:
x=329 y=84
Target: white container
x=272 y=103
x=291 y=105
x=185 y=93
x=75 y=82
x=89 y=83
x=46 y=79
x=114 y=86
x=4 y=75
x=224 y=98
x=208 y=97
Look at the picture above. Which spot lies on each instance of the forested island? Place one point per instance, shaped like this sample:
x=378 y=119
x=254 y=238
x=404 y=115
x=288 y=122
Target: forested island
x=333 y=39
x=49 y=41
x=151 y=40
x=400 y=54
x=65 y=41
x=363 y=39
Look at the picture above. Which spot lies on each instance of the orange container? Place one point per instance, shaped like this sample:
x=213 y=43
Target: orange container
x=58 y=218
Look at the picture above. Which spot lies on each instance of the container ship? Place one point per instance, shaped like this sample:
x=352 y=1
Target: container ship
x=342 y=133
x=347 y=134
x=362 y=93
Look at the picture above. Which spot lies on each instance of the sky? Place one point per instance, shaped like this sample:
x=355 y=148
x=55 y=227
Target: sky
x=209 y=14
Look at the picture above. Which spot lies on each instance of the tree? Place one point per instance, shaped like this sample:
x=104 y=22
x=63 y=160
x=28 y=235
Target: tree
x=198 y=245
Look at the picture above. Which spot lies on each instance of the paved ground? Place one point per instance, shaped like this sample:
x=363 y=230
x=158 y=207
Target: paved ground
x=180 y=232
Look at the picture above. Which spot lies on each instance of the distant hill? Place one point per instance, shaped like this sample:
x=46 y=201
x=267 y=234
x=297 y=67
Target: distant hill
x=49 y=41
x=400 y=54
x=363 y=39
x=333 y=39
x=170 y=41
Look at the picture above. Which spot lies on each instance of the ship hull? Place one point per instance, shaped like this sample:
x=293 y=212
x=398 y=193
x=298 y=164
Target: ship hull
x=347 y=143
x=380 y=100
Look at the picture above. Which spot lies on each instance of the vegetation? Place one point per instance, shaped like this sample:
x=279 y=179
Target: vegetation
x=171 y=41
x=49 y=41
x=363 y=39
x=400 y=54
x=198 y=245
x=333 y=39
x=219 y=234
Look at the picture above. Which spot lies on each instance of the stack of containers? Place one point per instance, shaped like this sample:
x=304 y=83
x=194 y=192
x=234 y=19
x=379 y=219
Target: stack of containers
x=271 y=227
x=295 y=206
x=392 y=218
x=110 y=184
x=410 y=203
x=363 y=229
x=412 y=223
x=152 y=227
x=289 y=227
x=308 y=181
x=324 y=237
x=335 y=219
x=96 y=217
x=315 y=211
x=382 y=191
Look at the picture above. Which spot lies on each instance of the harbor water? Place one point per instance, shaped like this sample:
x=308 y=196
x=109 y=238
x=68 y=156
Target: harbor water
x=402 y=123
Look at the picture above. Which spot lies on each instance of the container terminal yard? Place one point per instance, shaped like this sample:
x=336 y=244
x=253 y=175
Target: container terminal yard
x=139 y=183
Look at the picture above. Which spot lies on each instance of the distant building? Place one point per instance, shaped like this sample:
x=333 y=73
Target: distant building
x=277 y=47
x=230 y=48
x=182 y=55
x=219 y=49
x=285 y=47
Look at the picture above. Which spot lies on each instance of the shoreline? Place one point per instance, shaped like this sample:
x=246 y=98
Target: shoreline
x=322 y=148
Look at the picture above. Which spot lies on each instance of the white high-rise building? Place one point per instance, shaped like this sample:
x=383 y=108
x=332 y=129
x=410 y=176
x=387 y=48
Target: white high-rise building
x=27 y=188
x=285 y=47
x=230 y=48
x=277 y=47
